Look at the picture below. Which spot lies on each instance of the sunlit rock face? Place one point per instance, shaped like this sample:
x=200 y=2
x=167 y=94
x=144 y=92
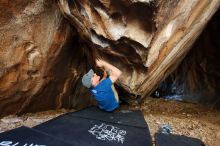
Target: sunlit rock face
x=32 y=34
x=47 y=45
x=197 y=78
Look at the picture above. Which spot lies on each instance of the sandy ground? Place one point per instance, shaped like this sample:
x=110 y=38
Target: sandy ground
x=185 y=119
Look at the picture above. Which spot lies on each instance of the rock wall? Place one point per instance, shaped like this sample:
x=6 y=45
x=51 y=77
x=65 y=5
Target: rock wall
x=46 y=46
x=147 y=40
x=32 y=35
x=197 y=78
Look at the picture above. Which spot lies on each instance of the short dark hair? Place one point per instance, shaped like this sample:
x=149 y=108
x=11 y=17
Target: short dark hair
x=99 y=72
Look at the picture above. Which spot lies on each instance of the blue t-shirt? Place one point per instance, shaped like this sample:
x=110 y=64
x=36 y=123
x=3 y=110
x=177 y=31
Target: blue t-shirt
x=104 y=95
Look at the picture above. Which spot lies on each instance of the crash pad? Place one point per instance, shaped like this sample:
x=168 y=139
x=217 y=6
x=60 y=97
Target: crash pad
x=93 y=127
x=24 y=136
x=123 y=117
x=176 y=140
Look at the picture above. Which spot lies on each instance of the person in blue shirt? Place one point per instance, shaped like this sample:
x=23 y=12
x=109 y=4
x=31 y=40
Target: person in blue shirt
x=101 y=87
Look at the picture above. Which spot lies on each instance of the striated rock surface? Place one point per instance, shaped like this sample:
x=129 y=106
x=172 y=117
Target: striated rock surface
x=32 y=35
x=197 y=78
x=46 y=46
x=146 y=39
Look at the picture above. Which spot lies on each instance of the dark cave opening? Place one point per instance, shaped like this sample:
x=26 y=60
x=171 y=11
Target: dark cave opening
x=197 y=78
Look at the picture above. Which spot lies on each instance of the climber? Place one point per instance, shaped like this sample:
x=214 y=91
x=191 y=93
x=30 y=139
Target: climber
x=101 y=85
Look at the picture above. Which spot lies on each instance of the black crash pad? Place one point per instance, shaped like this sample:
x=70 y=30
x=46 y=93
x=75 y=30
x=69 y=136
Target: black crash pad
x=24 y=136
x=124 y=117
x=176 y=140
x=83 y=129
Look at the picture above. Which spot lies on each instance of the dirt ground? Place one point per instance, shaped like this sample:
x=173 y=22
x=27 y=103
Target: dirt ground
x=187 y=119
